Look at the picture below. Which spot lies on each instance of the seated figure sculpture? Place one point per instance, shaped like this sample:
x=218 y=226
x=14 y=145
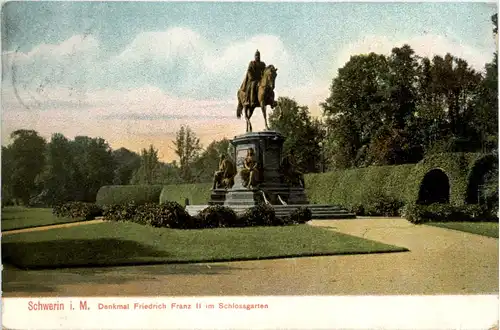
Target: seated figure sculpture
x=290 y=171
x=224 y=176
x=250 y=172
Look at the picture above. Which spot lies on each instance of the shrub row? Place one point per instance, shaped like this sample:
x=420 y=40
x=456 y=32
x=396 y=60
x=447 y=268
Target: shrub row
x=197 y=193
x=447 y=213
x=137 y=194
x=87 y=211
x=374 y=190
x=173 y=215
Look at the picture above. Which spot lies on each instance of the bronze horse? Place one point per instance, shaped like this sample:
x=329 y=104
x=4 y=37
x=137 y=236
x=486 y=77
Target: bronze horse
x=265 y=96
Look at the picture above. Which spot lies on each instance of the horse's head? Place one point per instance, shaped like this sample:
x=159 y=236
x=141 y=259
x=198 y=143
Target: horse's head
x=269 y=76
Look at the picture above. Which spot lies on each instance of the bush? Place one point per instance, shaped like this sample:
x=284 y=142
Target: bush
x=447 y=213
x=298 y=216
x=122 y=212
x=383 y=206
x=259 y=215
x=382 y=190
x=168 y=215
x=121 y=195
x=216 y=216
x=87 y=211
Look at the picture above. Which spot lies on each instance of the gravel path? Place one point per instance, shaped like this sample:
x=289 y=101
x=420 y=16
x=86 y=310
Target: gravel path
x=40 y=228
x=440 y=261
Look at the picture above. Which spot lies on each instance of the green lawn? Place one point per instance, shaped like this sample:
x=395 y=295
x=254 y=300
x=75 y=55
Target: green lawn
x=109 y=243
x=21 y=217
x=489 y=229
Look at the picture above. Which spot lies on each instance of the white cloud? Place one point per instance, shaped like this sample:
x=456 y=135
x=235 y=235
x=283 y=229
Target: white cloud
x=237 y=56
x=71 y=88
x=164 y=46
x=424 y=45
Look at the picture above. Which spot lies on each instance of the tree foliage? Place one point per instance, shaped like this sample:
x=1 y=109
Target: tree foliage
x=394 y=109
x=303 y=134
x=149 y=170
x=127 y=163
x=187 y=147
x=26 y=156
x=208 y=161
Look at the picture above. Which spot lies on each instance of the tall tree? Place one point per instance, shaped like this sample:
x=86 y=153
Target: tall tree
x=208 y=161
x=357 y=107
x=57 y=178
x=187 y=147
x=303 y=134
x=394 y=140
x=485 y=119
x=127 y=163
x=7 y=169
x=95 y=166
x=28 y=159
x=149 y=171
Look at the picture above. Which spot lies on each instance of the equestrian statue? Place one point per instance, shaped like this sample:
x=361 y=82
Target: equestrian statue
x=257 y=90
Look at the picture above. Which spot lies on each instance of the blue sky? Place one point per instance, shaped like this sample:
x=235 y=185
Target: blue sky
x=143 y=68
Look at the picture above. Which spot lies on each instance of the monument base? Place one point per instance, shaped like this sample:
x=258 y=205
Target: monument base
x=217 y=197
x=270 y=189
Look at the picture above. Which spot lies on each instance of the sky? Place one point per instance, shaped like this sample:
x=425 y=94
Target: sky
x=134 y=72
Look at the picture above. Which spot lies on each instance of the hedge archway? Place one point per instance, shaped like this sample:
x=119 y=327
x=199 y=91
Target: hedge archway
x=456 y=166
x=479 y=176
x=435 y=188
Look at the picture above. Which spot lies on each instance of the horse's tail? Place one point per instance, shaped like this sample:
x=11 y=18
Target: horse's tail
x=239 y=109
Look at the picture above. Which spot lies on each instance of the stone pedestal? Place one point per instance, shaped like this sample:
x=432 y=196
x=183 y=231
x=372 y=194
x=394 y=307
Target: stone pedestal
x=217 y=197
x=268 y=147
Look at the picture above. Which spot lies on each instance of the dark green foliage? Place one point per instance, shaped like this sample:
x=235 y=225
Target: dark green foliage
x=127 y=162
x=456 y=166
x=298 y=216
x=120 y=212
x=208 y=161
x=87 y=211
x=187 y=147
x=25 y=160
x=139 y=194
x=396 y=109
x=148 y=172
x=169 y=215
x=259 y=215
x=217 y=216
x=302 y=133
x=418 y=214
x=374 y=190
x=198 y=193
x=381 y=205
x=94 y=167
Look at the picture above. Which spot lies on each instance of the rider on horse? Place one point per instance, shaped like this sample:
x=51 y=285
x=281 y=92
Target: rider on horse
x=254 y=75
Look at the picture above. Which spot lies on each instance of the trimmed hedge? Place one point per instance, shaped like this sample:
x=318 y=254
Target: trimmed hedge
x=457 y=167
x=374 y=190
x=384 y=190
x=138 y=194
x=418 y=214
x=198 y=193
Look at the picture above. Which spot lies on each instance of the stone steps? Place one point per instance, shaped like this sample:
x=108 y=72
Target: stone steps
x=319 y=211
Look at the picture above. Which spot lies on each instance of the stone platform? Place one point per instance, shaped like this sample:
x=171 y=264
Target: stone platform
x=271 y=189
x=319 y=211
